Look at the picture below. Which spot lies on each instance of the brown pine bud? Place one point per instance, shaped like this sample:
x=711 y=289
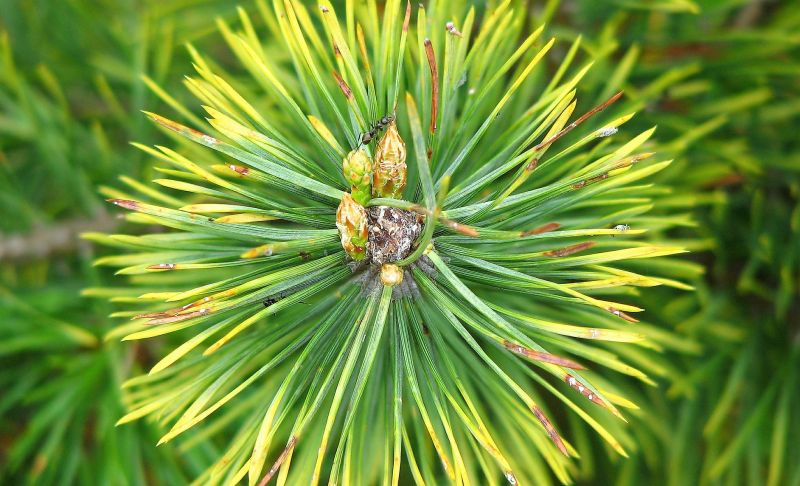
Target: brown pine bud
x=389 y=169
x=351 y=219
x=357 y=168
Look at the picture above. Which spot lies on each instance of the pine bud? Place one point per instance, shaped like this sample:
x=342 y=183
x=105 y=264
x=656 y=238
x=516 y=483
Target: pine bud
x=389 y=170
x=358 y=171
x=391 y=275
x=351 y=219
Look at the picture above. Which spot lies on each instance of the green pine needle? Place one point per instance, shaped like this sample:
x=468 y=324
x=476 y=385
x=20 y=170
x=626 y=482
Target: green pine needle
x=516 y=298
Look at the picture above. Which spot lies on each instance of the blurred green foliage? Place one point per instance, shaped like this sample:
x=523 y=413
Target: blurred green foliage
x=719 y=77
x=71 y=87
x=728 y=93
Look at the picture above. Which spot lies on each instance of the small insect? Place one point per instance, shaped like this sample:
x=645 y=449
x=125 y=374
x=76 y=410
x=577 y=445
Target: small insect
x=271 y=300
x=277 y=297
x=370 y=135
x=282 y=294
x=621 y=228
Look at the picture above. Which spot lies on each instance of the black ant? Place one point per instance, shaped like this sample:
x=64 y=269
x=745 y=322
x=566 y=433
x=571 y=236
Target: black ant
x=370 y=135
x=275 y=298
x=271 y=300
